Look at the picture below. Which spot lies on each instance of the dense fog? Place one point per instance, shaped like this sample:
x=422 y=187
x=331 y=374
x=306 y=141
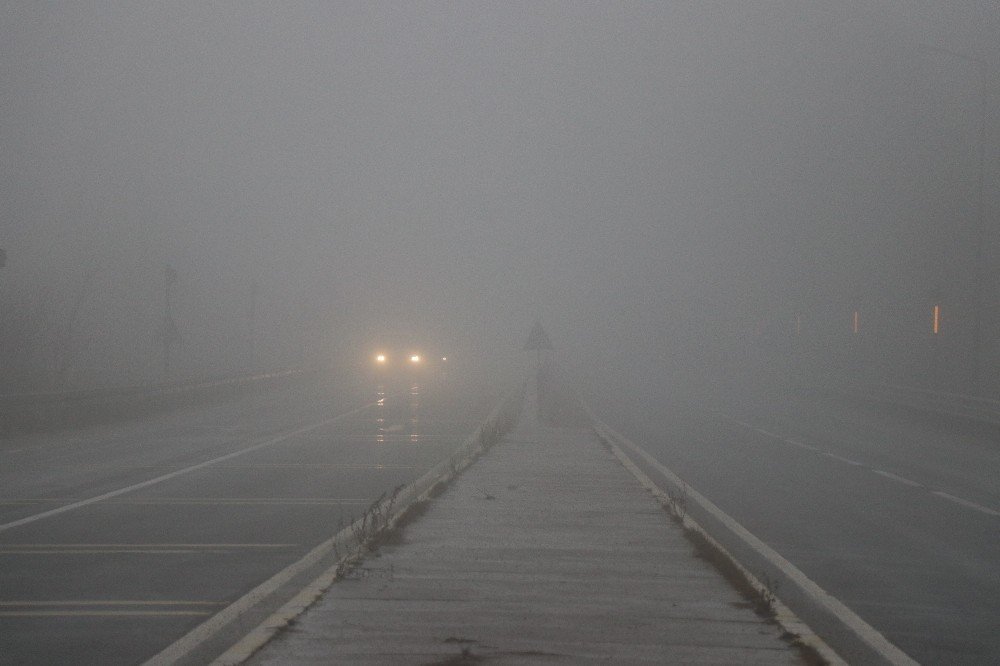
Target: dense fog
x=683 y=193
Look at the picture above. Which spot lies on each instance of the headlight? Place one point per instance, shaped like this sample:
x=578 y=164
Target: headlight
x=415 y=358
x=380 y=358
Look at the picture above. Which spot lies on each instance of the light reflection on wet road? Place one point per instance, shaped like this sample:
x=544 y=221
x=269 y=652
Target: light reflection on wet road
x=408 y=431
x=204 y=535
x=415 y=413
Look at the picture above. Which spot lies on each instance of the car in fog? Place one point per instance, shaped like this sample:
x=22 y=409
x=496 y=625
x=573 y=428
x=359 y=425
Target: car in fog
x=406 y=362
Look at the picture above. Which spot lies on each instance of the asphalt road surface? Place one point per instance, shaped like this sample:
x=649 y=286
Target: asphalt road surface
x=117 y=540
x=897 y=517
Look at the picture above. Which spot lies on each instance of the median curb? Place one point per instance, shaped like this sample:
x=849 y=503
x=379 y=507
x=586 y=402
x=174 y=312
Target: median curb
x=351 y=540
x=802 y=604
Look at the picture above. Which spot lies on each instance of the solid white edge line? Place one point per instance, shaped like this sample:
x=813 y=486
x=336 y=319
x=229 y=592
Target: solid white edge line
x=864 y=631
x=344 y=539
x=179 y=472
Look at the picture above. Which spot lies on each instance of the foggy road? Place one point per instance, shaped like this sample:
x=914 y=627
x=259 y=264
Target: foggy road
x=683 y=194
x=896 y=518
x=166 y=521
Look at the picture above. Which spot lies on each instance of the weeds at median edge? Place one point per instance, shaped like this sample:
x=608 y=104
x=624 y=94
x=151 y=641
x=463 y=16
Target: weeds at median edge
x=762 y=600
x=378 y=527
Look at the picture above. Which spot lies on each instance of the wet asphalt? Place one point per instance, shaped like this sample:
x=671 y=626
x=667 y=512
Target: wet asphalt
x=117 y=540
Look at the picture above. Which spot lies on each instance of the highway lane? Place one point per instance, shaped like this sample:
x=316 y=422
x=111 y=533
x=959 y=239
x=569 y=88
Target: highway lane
x=240 y=491
x=899 y=519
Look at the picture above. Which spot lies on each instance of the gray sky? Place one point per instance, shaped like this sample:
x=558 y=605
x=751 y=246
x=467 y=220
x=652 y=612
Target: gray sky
x=644 y=177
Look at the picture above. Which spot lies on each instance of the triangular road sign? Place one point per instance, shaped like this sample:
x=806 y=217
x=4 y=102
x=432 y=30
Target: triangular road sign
x=538 y=339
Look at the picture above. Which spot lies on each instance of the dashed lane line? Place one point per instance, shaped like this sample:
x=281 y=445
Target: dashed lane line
x=867 y=634
x=896 y=477
x=133 y=549
x=147 y=608
x=112 y=551
x=350 y=466
x=848 y=461
x=325 y=501
x=106 y=613
x=889 y=475
x=148 y=545
x=180 y=472
x=110 y=602
x=966 y=503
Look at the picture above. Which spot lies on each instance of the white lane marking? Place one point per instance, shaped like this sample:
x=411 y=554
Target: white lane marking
x=202 y=500
x=237 y=501
x=104 y=613
x=768 y=433
x=802 y=445
x=889 y=475
x=966 y=503
x=179 y=472
x=111 y=602
x=113 y=551
x=414 y=492
x=37 y=500
x=842 y=459
x=321 y=465
x=896 y=477
x=147 y=545
x=785 y=617
x=105 y=608
x=864 y=631
x=130 y=549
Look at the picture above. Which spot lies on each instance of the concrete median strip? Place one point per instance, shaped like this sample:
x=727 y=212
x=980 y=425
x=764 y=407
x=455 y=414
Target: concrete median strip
x=858 y=641
x=345 y=541
x=546 y=550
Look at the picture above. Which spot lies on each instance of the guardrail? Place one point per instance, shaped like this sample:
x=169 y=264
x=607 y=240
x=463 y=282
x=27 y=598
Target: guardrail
x=32 y=412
